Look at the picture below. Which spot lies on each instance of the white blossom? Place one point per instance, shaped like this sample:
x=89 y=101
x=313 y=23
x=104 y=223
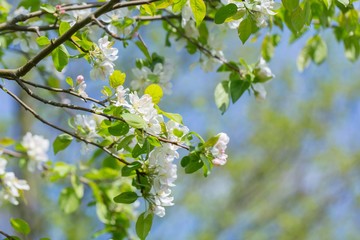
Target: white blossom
x=107 y=50
x=262 y=71
x=12 y=187
x=218 y=150
x=101 y=70
x=36 y=148
x=161 y=75
x=121 y=94
x=103 y=56
x=114 y=17
x=3 y=163
x=86 y=126
x=259 y=91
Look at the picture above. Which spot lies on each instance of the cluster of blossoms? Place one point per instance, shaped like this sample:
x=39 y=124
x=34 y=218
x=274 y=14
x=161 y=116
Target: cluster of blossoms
x=218 y=150
x=260 y=9
x=36 y=149
x=161 y=75
x=103 y=57
x=11 y=187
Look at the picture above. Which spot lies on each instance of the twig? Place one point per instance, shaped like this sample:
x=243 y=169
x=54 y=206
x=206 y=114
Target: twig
x=10 y=152
x=7 y=235
x=37 y=116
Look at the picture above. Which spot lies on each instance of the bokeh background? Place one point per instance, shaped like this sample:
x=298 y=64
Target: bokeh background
x=294 y=159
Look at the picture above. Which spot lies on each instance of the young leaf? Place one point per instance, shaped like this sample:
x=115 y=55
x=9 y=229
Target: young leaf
x=119 y=129
x=48 y=8
x=222 y=97
x=245 y=29
x=69 y=81
x=133 y=120
x=42 y=40
x=60 y=57
x=143 y=224
x=237 y=89
x=126 y=197
x=143 y=49
x=129 y=170
x=198 y=8
x=61 y=142
x=20 y=226
x=224 y=12
x=68 y=200
x=290 y=4
x=64 y=26
x=117 y=78
x=155 y=91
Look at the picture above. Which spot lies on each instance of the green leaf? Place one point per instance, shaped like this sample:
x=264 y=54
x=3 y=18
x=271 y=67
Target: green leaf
x=143 y=49
x=290 y=4
x=319 y=50
x=344 y=2
x=48 y=8
x=68 y=200
x=126 y=197
x=61 y=142
x=245 y=29
x=173 y=116
x=77 y=186
x=153 y=141
x=143 y=224
x=60 y=57
x=237 y=89
x=120 y=129
x=129 y=170
x=117 y=78
x=267 y=48
x=20 y=226
x=207 y=165
x=298 y=19
x=178 y=5
x=6 y=141
x=224 y=12
x=69 y=81
x=327 y=3
x=222 y=97
x=194 y=165
x=125 y=142
x=137 y=151
x=64 y=27
x=134 y=120
x=198 y=8
x=42 y=40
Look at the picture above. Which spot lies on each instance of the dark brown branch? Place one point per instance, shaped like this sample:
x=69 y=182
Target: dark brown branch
x=7 y=235
x=37 y=116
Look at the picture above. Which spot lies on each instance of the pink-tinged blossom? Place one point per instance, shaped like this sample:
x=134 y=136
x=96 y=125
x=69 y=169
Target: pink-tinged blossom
x=218 y=150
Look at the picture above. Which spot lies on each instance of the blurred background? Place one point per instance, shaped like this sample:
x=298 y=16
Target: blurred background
x=294 y=159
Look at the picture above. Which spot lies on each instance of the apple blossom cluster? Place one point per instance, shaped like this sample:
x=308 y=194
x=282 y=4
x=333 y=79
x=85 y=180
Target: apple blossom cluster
x=11 y=187
x=218 y=150
x=160 y=164
x=103 y=56
x=260 y=10
x=36 y=149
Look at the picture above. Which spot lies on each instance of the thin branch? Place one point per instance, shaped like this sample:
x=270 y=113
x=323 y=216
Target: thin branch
x=102 y=26
x=68 y=91
x=75 y=107
x=10 y=152
x=204 y=49
x=37 y=116
x=7 y=235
